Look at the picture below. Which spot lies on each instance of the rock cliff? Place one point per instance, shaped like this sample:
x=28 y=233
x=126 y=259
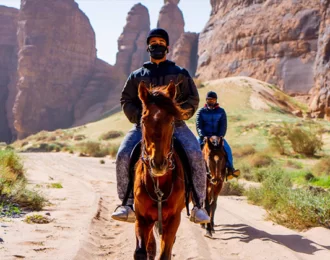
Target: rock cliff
x=273 y=41
x=320 y=99
x=132 y=42
x=8 y=67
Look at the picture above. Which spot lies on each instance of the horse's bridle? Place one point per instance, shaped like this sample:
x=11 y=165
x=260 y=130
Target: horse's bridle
x=214 y=181
x=171 y=166
x=168 y=159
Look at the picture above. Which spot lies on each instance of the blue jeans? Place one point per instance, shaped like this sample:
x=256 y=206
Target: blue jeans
x=189 y=143
x=230 y=160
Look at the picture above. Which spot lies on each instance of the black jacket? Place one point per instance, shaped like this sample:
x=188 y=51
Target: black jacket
x=158 y=75
x=211 y=121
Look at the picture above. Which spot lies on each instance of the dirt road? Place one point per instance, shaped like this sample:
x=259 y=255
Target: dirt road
x=82 y=228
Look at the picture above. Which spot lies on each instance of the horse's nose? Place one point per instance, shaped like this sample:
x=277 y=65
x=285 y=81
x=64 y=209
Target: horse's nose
x=158 y=166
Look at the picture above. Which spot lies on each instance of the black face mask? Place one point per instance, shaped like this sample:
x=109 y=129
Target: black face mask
x=157 y=51
x=211 y=105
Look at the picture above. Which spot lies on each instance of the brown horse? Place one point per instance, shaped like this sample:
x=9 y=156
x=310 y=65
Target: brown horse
x=215 y=158
x=159 y=177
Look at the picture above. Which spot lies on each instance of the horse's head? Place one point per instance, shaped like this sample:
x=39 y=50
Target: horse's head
x=214 y=142
x=158 y=114
x=215 y=157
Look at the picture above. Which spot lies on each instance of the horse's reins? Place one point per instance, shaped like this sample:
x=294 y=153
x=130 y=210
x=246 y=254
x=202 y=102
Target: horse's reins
x=171 y=166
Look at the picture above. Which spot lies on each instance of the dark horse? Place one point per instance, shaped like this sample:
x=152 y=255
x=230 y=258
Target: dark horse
x=215 y=158
x=159 y=187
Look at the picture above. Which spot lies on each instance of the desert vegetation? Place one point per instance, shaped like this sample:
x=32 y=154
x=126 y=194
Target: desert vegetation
x=14 y=194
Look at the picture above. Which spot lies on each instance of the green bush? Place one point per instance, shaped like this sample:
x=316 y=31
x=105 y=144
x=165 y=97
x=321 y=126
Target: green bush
x=96 y=149
x=242 y=151
x=111 y=135
x=277 y=144
x=13 y=183
x=294 y=208
x=322 y=167
x=259 y=160
x=303 y=141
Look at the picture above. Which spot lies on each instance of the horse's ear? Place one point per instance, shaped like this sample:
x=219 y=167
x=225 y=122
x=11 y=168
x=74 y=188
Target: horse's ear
x=143 y=92
x=171 y=90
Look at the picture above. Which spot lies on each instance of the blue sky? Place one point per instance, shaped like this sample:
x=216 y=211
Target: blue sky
x=108 y=18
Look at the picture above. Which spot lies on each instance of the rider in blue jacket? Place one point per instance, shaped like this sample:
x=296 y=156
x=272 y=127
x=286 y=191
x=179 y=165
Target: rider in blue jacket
x=212 y=120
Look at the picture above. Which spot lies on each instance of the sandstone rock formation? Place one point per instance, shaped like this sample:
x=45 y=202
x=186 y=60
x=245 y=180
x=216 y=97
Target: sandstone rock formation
x=8 y=67
x=171 y=19
x=132 y=42
x=184 y=52
x=273 y=41
x=92 y=102
x=56 y=58
x=320 y=100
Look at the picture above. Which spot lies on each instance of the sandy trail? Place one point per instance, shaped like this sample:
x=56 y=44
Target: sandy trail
x=82 y=228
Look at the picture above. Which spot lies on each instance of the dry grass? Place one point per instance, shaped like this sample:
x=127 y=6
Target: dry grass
x=322 y=167
x=259 y=160
x=232 y=188
x=199 y=83
x=37 y=219
x=79 y=137
x=111 y=135
x=294 y=208
x=243 y=151
x=293 y=164
x=13 y=183
x=303 y=140
x=97 y=149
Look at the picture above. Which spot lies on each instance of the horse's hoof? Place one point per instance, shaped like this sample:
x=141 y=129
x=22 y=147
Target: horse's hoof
x=203 y=226
x=140 y=254
x=208 y=234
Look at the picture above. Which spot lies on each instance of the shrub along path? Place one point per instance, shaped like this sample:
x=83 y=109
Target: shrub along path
x=82 y=228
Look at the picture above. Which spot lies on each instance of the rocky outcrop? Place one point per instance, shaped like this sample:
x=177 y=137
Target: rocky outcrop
x=184 y=52
x=320 y=99
x=132 y=42
x=8 y=66
x=171 y=19
x=91 y=103
x=56 y=59
x=273 y=41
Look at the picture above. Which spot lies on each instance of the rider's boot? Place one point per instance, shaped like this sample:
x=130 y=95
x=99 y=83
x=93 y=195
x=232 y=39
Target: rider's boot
x=232 y=172
x=124 y=213
x=199 y=216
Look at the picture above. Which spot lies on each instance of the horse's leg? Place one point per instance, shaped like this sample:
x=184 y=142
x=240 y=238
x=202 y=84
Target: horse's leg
x=213 y=209
x=208 y=209
x=151 y=246
x=168 y=237
x=142 y=231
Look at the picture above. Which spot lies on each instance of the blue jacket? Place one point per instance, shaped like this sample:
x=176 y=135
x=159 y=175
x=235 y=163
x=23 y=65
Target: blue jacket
x=211 y=121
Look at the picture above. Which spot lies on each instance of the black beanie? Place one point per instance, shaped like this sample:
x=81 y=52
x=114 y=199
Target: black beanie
x=159 y=32
x=211 y=94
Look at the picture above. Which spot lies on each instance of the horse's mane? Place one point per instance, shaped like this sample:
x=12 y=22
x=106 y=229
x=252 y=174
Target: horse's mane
x=160 y=99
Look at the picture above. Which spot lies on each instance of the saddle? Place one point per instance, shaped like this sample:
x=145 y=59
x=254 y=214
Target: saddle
x=189 y=187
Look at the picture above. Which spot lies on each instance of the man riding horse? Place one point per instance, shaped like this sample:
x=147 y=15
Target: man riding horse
x=159 y=72
x=211 y=120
